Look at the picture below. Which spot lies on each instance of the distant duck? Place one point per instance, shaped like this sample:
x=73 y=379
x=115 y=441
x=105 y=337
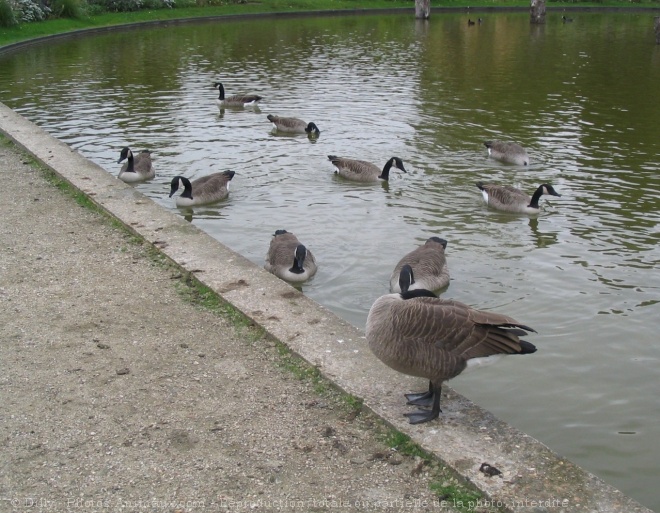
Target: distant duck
x=419 y=334
x=566 y=20
x=508 y=152
x=510 y=199
x=362 y=171
x=288 y=259
x=135 y=169
x=293 y=125
x=423 y=268
x=203 y=191
x=470 y=22
x=237 y=100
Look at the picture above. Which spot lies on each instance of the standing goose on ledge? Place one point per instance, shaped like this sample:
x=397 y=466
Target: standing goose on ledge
x=423 y=268
x=508 y=152
x=288 y=259
x=510 y=199
x=293 y=125
x=136 y=169
x=204 y=190
x=237 y=100
x=362 y=171
x=419 y=334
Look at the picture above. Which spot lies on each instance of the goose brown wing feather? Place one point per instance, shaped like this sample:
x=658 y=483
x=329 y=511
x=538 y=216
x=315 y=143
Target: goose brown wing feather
x=357 y=167
x=506 y=195
x=281 y=249
x=290 y=123
x=243 y=98
x=210 y=184
x=454 y=327
x=429 y=265
x=142 y=162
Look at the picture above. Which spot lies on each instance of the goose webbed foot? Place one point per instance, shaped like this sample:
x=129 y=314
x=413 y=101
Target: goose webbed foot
x=432 y=397
x=422 y=398
x=421 y=416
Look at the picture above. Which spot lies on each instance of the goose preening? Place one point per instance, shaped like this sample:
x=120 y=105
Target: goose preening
x=423 y=268
x=288 y=259
x=508 y=152
x=419 y=334
x=566 y=20
x=511 y=199
x=135 y=169
x=293 y=125
x=362 y=171
x=202 y=191
x=237 y=100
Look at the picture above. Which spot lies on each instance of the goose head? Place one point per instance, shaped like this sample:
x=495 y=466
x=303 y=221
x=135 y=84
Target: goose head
x=312 y=129
x=440 y=241
x=220 y=88
x=397 y=163
x=126 y=153
x=174 y=185
x=406 y=278
x=299 y=259
x=550 y=190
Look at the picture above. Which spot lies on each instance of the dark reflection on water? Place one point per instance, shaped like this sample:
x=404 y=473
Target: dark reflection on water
x=582 y=97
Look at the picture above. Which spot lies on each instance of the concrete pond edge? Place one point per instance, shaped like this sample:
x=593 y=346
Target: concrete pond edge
x=534 y=478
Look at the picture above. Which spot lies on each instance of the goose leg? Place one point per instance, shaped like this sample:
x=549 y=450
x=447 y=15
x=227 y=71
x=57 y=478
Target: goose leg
x=421 y=416
x=421 y=399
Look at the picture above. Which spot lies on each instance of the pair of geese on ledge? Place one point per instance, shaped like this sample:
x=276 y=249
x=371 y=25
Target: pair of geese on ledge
x=215 y=187
x=413 y=331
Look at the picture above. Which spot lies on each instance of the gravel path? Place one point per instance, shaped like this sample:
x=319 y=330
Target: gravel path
x=119 y=393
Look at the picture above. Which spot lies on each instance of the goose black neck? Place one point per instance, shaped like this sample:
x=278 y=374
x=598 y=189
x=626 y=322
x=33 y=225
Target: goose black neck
x=130 y=168
x=221 y=92
x=299 y=260
x=385 y=175
x=536 y=197
x=187 y=188
x=410 y=294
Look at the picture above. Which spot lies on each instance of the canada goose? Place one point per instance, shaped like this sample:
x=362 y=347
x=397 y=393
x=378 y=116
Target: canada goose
x=566 y=20
x=204 y=190
x=288 y=259
x=419 y=334
x=362 y=171
x=510 y=199
x=237 y=100
x=423 y=268
x=136 y=169
x=470 y=22
x=293 y=125
x=508 y=152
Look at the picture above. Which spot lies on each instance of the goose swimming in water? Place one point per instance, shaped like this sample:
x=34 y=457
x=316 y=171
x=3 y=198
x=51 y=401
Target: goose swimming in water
x=288 y=259
x=135 y=169
x=237 y=100
x=362 y=171
x=510 y=199
x=507 y=152
x=423 y=268
x=202 y=191
x=293 y=125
